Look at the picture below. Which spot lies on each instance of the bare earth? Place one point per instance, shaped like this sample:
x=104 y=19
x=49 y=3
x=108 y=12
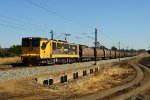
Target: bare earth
x=110 y=75
x=146 y=94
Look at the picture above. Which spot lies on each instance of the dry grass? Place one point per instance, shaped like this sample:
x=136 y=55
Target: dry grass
x=103 y=80
x=20 y=89
x=10 y=60
x=29 y=89
x=144 y=55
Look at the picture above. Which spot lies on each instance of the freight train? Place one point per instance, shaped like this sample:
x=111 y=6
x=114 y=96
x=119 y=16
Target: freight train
x=41 y=51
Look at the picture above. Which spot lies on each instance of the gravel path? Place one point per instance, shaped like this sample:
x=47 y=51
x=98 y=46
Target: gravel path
x=29 y=72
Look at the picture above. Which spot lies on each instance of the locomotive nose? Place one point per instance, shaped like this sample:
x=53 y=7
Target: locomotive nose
x=31 y=49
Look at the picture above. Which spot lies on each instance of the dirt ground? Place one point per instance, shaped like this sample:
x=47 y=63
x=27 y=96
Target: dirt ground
x=144 y=95
x=111 y=75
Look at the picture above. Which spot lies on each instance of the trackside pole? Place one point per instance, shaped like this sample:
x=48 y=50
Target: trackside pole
x=95 y=46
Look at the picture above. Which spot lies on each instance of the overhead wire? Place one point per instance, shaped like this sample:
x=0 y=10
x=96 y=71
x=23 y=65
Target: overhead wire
x=21 y=22
x=115 y=42
x=11 y=22
x=59 y=36
x=15 y=25
x=11 y=26
x=57 y=14
x=14 y=19
x=50 y=7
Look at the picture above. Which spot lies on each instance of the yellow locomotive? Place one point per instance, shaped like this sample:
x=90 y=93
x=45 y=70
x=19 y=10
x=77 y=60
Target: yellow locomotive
x=36 y=50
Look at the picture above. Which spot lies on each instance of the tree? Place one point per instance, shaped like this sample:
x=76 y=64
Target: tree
x=148 y=51
x=3 y=52
x=98 y=45
x=122 y=50
x=113 y=48
x=141 y=50
x=14 y=50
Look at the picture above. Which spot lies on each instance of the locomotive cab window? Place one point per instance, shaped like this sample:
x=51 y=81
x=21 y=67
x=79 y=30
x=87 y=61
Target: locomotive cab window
x=54 y=45
x=59 y=46
x=25 y=42
x=35 y=43
x=43 y=45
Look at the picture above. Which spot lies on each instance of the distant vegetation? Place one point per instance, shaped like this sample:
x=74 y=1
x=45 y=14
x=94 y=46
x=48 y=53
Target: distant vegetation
x=148 y=51
x=123 y=50
x=14 y=50
x=129 y=50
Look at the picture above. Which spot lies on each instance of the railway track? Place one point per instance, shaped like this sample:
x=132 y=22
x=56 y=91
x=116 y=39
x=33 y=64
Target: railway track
x=126 y=91
x=21 y=66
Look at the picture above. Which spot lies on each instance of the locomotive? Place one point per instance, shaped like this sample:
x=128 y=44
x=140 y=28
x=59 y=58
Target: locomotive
x=39 y=51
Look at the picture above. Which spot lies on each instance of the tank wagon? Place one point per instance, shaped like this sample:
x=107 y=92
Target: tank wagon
x=39 y=51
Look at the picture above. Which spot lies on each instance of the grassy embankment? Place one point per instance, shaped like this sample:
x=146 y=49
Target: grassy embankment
x=10 y=60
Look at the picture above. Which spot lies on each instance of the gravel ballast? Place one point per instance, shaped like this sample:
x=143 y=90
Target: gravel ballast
x=30 y=72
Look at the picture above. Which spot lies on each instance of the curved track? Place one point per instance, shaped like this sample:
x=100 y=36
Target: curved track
x=139 y=84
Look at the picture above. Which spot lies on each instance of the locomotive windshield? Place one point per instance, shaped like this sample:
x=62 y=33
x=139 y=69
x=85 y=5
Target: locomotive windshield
x=35 y=42
x=25 y=42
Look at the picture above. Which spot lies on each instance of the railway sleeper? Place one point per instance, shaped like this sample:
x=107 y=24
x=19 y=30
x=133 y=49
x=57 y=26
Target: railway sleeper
x=63 y=79
x=48 y=82
x=91 y=71
x=84 y=73
x=75 y=75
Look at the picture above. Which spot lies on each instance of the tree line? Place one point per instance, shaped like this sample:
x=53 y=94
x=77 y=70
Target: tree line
x=12 y=51
x=123 y=50
x=129 y=50
x=15 y=50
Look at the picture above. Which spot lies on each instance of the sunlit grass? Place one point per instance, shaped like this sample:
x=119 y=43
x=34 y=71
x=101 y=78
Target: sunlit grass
x=10 y=60
x=102 y=80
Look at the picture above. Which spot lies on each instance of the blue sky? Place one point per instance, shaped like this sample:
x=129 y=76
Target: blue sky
x=127 y=21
